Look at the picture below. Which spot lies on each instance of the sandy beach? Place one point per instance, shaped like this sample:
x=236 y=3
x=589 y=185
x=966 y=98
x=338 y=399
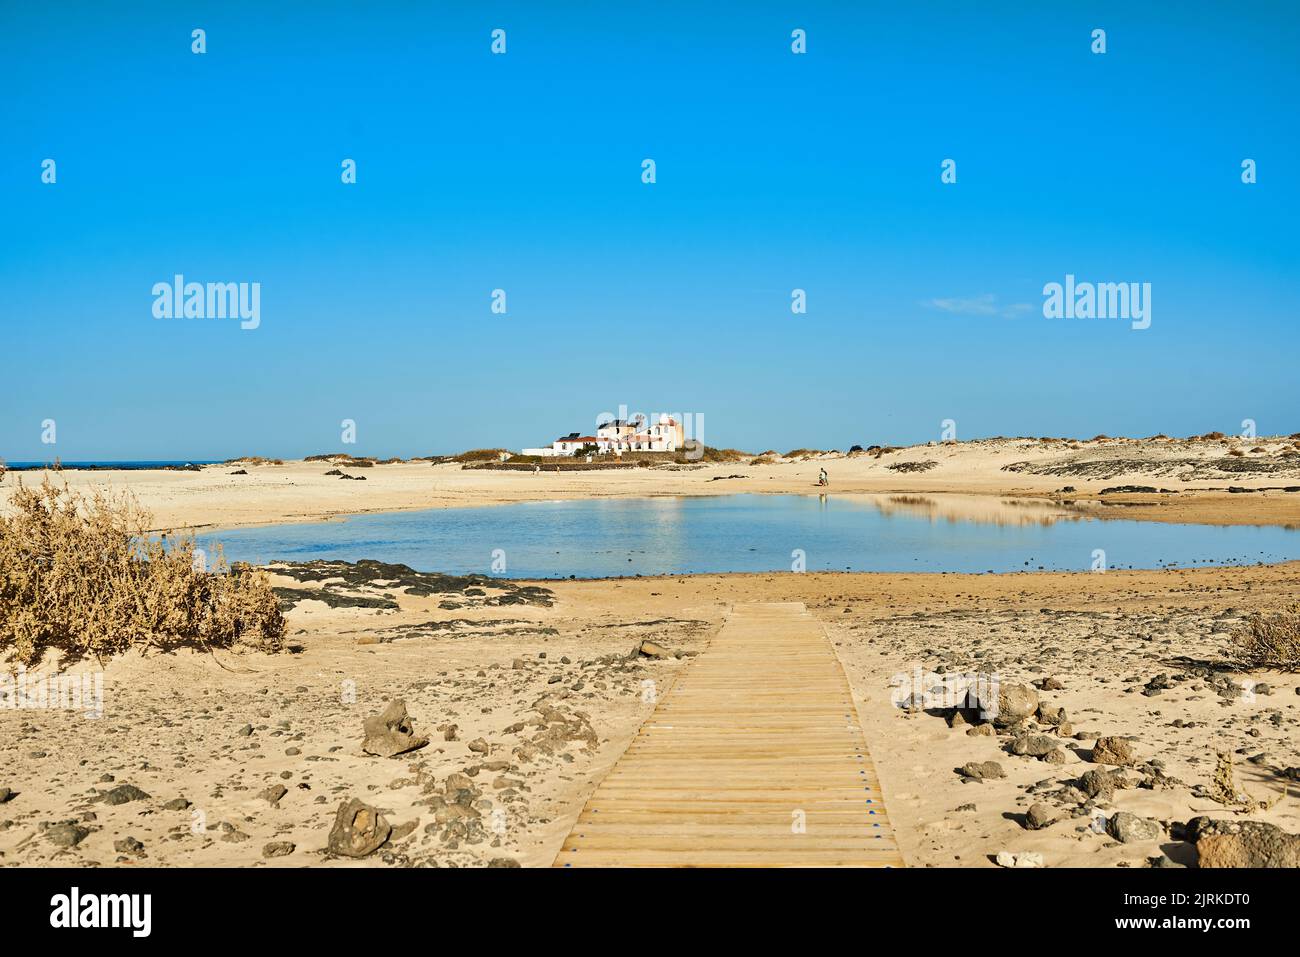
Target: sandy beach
x=1191 y=479
x=530 y=692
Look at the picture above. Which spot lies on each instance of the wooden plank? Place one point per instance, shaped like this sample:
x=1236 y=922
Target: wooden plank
x=754 y=758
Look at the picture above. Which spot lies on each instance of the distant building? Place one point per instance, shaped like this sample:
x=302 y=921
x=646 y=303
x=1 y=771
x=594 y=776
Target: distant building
x=619 y=436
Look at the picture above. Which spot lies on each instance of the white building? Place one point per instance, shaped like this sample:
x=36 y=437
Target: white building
x=619 y=436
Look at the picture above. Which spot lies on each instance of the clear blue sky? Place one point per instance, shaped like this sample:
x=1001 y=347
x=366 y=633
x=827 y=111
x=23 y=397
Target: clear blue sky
x=522 y=172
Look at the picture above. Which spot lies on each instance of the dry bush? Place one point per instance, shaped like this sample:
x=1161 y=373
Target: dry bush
x=693 y=452
x=480 y=455
x=1224 y=789
x=253 y=460
x=80 y=574
x=3 y=470
x=1269 y=641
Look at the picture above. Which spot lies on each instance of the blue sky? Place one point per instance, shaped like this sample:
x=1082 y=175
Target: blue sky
x=523 y=172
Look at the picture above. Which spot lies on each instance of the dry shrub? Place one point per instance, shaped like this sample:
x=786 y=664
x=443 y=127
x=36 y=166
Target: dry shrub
x=1269 y=641
x=80 y=574
x=480 y=455
x=1224 y=789
x=3 y=470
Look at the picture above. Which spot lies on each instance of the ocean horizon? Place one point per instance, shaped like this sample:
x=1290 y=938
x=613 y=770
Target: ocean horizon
x=110 y=464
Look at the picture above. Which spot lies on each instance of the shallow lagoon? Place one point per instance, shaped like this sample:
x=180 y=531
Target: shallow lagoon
x=753 y=533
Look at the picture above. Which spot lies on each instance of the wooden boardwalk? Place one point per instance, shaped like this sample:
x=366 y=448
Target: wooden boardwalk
x=754 y=758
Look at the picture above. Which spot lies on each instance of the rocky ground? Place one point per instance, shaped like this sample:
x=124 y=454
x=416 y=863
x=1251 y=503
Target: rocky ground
x=248 y=759
x=1116 y=730
x=1119 y=706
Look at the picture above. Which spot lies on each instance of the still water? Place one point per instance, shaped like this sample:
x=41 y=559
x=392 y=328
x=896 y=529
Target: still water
x=750 y=533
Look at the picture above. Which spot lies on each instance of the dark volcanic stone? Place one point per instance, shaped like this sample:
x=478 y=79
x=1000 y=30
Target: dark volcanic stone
x=122 y=794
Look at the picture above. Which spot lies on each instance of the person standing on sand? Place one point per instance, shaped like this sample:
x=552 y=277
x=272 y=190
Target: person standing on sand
x=823 y=478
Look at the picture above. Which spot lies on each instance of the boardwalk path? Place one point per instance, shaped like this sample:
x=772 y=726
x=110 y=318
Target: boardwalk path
x=758 y=735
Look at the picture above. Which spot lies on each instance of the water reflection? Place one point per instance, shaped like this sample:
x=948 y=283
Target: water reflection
x=982 y=509
x=747 y=533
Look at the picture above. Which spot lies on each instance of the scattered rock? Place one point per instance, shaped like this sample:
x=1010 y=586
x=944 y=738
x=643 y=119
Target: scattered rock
x=1097 y=783
x=1243 y=844
x=1127 y=828
x=1015 y=703
x=1051 y=715
x=1039 y=816
x=650 y=649
x=278 y=849
x=359 y=830
x=391 y=732
x=128 y=845
x=1114 y=750
x=1007 y=859
x=273 y=794
x=979 y=770
x=122 y=794
x=1033 y=745
x=66 y=835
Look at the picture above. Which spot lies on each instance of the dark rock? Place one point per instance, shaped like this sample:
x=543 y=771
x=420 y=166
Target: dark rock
x=122 y=794
x=273 y=794
x=1243 y=844
x=1033 y=745
x=359 y=830
x=66 y=835
x=1038 y=817
x=1097 y=784
x=1127 y=828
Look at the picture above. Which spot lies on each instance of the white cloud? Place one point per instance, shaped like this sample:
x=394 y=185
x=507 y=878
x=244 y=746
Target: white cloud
x=985 y=304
